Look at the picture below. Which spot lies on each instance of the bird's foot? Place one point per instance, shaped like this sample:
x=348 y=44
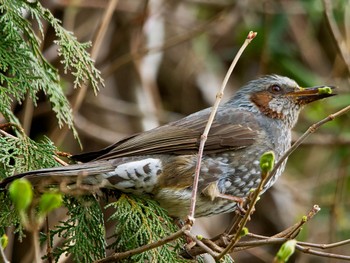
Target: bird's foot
x=239 y=200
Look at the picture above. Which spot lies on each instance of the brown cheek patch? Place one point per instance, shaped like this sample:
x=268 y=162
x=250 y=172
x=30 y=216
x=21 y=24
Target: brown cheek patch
x=261 y=100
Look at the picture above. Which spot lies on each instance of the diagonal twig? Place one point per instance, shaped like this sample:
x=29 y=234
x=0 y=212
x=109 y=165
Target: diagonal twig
x=122 y=255
x=336 y=34
x=313 y=128
x=204 y=136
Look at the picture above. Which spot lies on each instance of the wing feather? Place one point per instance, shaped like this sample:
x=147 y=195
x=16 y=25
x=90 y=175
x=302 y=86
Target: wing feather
x=183 y=137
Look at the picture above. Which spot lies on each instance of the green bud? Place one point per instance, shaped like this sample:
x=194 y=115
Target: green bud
x=286 y=250
x=21 y=194
x=4 y=240
x=325 y=90
x=267 y=161
x=304 y=219
x=49 y=202
x=244 y=231
x=199 y=237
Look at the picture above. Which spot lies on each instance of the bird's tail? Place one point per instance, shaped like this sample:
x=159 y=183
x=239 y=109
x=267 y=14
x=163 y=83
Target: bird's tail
x=134 y=174
x=87 y=174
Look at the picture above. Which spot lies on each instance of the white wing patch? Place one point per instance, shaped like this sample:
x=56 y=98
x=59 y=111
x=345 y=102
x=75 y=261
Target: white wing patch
x=135 y=177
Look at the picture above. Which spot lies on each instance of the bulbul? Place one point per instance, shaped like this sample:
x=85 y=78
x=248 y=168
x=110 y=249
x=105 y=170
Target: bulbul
x=161 y=162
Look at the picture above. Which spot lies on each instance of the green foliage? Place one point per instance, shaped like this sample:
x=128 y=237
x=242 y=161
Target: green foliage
x=9 y=216
x=267 y=161
x=21 y=194
x=83 y=231
x=286 y=250
x=24 y=70
x=4 y=241
x=48 y=202
x=74 y=54
x=227 y=259
x=141 y=221
x=23 y=73
x=23 y=154
x=325 y=90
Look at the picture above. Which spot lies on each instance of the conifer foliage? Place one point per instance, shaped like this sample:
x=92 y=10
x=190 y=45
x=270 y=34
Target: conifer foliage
x=24 y=72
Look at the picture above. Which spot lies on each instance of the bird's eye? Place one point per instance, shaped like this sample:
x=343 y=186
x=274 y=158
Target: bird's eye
x=275 y=88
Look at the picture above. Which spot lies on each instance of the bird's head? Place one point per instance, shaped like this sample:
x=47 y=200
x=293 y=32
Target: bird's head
x=278 y=97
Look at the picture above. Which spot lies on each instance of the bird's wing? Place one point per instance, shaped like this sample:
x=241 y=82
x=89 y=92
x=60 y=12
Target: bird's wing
x=182 y=137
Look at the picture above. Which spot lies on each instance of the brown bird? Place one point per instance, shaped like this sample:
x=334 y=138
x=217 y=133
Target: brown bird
x=161 y=162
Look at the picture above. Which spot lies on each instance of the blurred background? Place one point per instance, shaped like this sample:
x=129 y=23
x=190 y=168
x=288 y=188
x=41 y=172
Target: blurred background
x=164 y=59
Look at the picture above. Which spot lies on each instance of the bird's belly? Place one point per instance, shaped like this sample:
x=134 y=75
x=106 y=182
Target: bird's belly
x=177 y=203
x=234 y=174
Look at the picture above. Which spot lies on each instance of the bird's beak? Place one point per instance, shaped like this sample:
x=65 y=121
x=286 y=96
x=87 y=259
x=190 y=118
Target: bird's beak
x=305 y=96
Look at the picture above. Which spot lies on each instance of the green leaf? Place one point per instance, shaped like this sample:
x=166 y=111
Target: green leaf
x=21 y=194
x=4 y=240
x=325 y=90
x=267 y=161
x=49 y=202
x=286 y=250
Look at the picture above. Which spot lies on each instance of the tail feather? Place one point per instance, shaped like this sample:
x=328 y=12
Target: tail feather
x=65 y=174
x=135 y=174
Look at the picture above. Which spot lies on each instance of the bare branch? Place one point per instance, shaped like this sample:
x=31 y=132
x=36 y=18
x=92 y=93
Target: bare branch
x=204 y=136
x=121 y=255
x=308 y=250
x=338 y=39
x=313 y=128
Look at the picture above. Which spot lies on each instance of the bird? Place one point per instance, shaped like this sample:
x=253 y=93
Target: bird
x=161 y=162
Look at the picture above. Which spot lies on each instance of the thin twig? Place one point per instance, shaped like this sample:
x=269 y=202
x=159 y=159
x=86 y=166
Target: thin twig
x=279 y=238
x=121 y=255
x=204 y=136
x=95 y=49
x=302 y=138
x=264 y=240
x=61 y=162
x=325 y=246
x=27 y=114
x=201 y=244
x=49 y=254
x=337 y=36
x=35 y=236
x=293 y=231
x=3 y=258
x=3 y=133
x=242 y=222
x=308 y=250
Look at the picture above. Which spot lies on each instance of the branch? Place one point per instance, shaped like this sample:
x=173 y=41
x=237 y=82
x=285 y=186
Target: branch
x=279 y=238
x=21 y=130
x=204 y=136
x=313 y=128
x=337 y=36
x=308 y=250
x=3 y=258
x=121 y=255
x=325 y=246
